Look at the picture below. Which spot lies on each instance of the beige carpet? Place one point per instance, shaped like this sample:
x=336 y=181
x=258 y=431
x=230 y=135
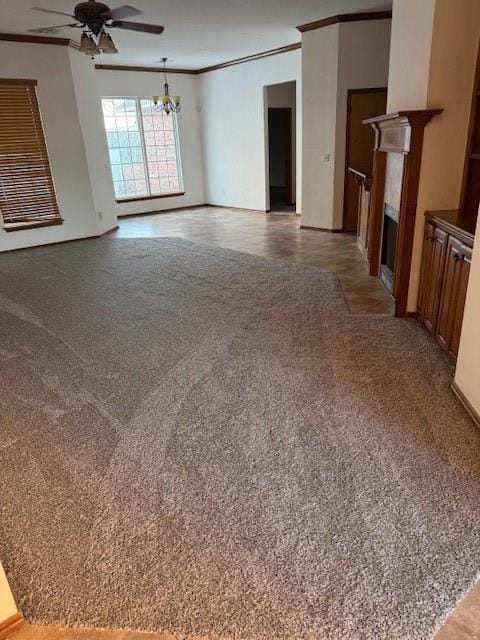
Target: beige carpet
x=204 y=442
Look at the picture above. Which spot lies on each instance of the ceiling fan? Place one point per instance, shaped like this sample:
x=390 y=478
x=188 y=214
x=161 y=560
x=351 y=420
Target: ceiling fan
x=94 y=17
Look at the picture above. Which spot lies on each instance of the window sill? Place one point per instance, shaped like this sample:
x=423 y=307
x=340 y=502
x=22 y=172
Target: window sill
x=23 y=226
x=161 y=195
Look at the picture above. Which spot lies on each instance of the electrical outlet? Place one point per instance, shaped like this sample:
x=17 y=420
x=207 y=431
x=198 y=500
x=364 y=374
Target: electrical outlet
x=326 y=157
x=100 y=215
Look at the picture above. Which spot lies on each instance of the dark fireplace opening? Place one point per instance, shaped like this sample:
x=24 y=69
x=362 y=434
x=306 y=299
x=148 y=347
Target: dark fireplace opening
x=389 y=246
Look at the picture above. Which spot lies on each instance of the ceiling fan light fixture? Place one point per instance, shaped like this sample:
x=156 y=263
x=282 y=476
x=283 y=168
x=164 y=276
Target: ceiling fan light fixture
x=88 y=45
x=106 y=44
x=92 y=16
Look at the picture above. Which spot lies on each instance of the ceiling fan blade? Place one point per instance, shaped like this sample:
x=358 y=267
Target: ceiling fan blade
x=58 y=13
x=138 y=26
x=52 y=29
x=126 y=11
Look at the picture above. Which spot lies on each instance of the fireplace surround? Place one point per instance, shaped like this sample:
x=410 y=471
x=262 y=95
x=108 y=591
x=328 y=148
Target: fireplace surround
x=391 y=236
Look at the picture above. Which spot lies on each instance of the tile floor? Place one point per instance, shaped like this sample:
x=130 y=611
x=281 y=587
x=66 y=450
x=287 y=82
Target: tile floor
x=273 y=236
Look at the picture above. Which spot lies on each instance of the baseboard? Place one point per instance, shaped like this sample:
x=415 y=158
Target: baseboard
x=466 y=404
x=186 y=208
x=169 y=210
x=304 y=226
x=412 y=314
x=11 y=625
x=226 y=206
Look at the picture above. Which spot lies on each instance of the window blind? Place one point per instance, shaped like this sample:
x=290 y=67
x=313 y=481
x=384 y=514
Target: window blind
x=27 y=193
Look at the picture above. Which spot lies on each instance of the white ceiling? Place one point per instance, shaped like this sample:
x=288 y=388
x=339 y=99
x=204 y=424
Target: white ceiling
x=198 y=33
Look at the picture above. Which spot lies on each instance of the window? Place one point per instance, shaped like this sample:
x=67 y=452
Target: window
x=143 y=147
x=27 y=193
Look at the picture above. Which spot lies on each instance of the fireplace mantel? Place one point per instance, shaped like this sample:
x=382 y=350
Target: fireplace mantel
x=397 y=133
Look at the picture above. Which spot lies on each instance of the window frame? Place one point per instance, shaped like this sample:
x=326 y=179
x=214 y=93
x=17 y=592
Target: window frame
x=178 y=154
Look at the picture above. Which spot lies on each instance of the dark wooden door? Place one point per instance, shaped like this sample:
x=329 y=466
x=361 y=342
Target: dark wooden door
x=361 y=104
x=431 y=279
x=454 y=291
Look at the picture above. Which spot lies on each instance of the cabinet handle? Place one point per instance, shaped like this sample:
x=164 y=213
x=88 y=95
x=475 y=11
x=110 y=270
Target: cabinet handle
x=457 y=257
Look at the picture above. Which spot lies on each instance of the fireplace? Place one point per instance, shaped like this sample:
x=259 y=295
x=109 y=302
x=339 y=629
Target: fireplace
x=389 y=246
x=397 y=161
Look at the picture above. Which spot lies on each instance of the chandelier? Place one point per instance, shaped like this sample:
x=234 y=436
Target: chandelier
x=166 y=103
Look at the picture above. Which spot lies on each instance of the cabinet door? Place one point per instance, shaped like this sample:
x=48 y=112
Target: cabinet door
x=433 y=266
x=425 y=271
x=457 y=269
x=464 y=274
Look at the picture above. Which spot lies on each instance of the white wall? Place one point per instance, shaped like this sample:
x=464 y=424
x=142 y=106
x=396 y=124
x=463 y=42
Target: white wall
x=320 y=78
x=335 y=59
x=50 y=66
x=234 y=126
x=284 y=95
x=467 y=376
x=143 y=84
x=410 y=54
x=93 y=130
x=436 y=70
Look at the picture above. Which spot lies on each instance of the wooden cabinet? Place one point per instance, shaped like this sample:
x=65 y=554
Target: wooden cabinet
x=446 y=259
x=433 y=263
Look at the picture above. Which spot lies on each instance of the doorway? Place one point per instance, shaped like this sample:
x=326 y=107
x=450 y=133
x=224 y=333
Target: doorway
x=281 y=174
x=361 y=104
x=280 y=156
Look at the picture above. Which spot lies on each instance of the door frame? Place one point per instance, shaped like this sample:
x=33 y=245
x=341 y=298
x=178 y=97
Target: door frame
x=288 y=150
x=350 y=93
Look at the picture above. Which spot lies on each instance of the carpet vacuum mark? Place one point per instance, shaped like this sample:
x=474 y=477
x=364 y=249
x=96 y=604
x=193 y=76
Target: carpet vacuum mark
x=204 y=442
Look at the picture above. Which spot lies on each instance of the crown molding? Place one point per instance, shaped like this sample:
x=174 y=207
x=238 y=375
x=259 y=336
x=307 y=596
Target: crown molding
x=255 y=56
x=215 y=67
x=345 y=17
x=21 y=37
x=123 y=67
